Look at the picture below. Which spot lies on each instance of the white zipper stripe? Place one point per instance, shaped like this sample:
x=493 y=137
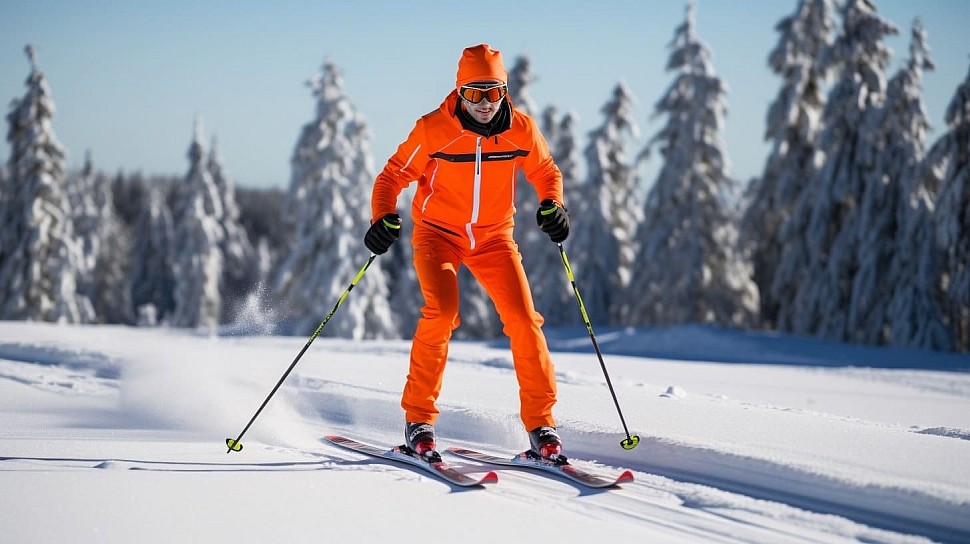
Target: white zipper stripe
x=476 y=192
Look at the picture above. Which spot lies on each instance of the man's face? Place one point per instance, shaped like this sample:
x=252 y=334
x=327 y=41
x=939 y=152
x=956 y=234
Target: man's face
x=483 y=111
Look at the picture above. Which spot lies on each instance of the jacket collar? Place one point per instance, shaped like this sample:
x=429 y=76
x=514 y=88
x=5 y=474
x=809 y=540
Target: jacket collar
x=499 y=124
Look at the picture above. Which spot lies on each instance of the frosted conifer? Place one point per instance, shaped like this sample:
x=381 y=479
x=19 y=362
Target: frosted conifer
x=538 y=253
x=821 y=237
x=602 y=235
x=914 y=311
x=792 y=127
x=553 y=294
x=40 y=256
x=328 y=210
x=690 y=271
x=951 y=157
x=198 y=262
x=153 y=255
x=240 y=266
x=900 y=139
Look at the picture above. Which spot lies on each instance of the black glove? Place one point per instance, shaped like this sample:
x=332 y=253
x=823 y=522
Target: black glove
x=383 y=233
x=553 y=220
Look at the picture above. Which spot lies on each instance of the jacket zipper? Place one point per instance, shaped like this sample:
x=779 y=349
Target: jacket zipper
x=476 y=192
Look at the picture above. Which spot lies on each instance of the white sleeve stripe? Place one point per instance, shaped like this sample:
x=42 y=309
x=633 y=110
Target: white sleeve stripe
x=411 y=158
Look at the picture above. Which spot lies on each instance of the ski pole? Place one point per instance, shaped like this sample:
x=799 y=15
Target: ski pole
x=236 y=445
x=630 y=441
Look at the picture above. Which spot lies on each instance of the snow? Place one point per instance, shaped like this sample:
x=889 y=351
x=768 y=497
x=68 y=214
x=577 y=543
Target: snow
x=114 y=434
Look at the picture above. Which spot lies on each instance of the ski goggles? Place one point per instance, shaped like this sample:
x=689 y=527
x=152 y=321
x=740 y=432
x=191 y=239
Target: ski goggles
x=477 y=94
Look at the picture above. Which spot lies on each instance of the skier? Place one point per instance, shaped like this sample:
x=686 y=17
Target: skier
x=465 y=157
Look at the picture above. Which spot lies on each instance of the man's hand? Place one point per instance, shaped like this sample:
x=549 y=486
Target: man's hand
x=383 y=233
x=553 y=220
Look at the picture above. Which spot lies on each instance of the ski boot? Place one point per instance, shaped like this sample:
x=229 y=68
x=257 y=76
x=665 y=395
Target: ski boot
x=546 y=444
x=419 y=438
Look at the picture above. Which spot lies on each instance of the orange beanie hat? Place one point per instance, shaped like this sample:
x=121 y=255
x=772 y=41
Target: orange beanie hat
x=480 y=62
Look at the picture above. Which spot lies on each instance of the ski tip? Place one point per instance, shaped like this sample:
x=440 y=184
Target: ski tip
x=337 y=439
x=624 y=478
x=490 y=478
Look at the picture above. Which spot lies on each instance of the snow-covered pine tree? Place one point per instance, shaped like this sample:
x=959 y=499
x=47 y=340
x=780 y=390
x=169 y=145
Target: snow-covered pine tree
x=328 y=219
x=198 y=263
x=404 y=292
x=380 y=319
x=690 y=269
x=40 y=255
x=603 y=218
x=111 y=296
x=79 y=188
x=792 y=126
x=521 y=77
x=951 y=155
x=915 y=311
x=554 y=299
x=900 y=137
x=4 y=190
x=260 y=212
x=130 y=193
x=153 y=254
x=264 y=261
x=105 y=244
x=526 y=202
x=240 y=267
x=821 y=236
x=537 y=251
x=400 y=280
x=693 y=271
x=549 y=122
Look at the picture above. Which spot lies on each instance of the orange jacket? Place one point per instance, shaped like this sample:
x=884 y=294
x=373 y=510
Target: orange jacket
x=466 y=182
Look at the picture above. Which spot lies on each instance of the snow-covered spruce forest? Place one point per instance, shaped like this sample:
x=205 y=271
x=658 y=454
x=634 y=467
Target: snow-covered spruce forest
x=857 y=230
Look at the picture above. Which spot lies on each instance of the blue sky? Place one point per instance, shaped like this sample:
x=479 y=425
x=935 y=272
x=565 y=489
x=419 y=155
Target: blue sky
x=129 y=77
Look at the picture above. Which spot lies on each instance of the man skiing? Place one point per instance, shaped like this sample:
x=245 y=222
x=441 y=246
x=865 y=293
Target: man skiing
x=465 y=157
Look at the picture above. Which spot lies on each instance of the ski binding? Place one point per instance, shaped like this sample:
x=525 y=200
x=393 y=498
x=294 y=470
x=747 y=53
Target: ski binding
x=402 y=454
x=529 y=460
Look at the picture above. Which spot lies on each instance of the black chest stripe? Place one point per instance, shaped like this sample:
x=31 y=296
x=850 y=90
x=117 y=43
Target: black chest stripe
x=442 y=229
x=486 y=157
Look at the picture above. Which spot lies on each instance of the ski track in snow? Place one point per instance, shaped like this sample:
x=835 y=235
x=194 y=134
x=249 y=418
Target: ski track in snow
x=710 y=483
x=689 y=491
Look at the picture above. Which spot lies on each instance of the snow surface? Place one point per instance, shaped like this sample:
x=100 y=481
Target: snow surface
x=113 y=434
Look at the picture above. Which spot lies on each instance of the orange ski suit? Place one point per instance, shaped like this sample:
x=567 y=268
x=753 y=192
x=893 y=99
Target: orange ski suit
x=463 y=214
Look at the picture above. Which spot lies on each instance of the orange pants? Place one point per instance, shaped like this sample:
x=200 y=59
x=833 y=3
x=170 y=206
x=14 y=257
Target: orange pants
x=497 y=264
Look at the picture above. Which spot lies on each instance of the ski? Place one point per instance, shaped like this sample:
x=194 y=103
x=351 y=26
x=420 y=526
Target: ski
x=440 y=469
x=566 y=470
